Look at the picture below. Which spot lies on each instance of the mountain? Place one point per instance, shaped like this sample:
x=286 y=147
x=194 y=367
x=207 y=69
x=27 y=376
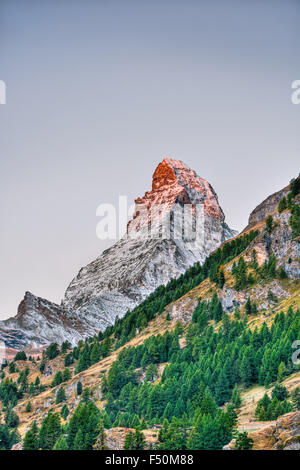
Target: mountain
x=215 y=356
x=39 y=322
x=125 y=274
x=176 y=224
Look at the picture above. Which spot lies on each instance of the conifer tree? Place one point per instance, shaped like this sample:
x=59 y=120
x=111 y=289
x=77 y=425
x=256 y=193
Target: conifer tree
x=50 y=431
x=282 y=205
x=296 y=398
x=31 y=440
x=28 y=408
x=248 y=307
x=269 y=224
x=64 y=411
x=244 y=442
x=236 y=397
x=61 y=444
x=281 y=372
x=129 y=441
x=60 y=396
x=79 y=388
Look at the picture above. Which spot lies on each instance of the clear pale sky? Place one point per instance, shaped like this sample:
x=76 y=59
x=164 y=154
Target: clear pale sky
x=98 y=92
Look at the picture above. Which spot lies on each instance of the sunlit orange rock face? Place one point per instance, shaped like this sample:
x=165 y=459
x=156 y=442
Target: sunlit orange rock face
x=163 y=175
x=174 y=182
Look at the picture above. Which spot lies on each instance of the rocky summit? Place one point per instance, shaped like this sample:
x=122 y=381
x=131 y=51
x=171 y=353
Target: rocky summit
x=161 y=243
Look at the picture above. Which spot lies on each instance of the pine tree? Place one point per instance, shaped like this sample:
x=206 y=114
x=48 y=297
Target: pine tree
x=254 y=263
x=269 y=224
x=240 y=274
x=79 y=443
x=218 y=312
x=60 y=396
x=129 y=441
x=66 y=375
x=237 y=313
x=95 y=354
x=281 y=372
x=282 y=205
x=79 y=388
x=236 y=397
x=296 y=398
x=50 y=431
x=253 y=308
x=248 y=306
x=101 y=437
x=61 y=444
x=244 y=442
x=221 y=277
x=64 y=411
x=28 y=408
x=31 y=440
x=280 y=392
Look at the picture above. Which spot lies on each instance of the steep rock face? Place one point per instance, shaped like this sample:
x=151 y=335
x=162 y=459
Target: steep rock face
x=268 y=206
x=156 y=247
x=40 y=322
x=280 y=243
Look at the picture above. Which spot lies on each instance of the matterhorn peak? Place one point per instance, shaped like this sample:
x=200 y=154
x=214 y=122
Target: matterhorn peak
x=125 y=274
x=180 y=179
x=174 y=186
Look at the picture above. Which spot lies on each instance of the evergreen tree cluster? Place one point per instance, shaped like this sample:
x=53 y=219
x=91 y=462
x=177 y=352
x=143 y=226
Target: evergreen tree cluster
x=80 y=433
x=245 y=279
x=270 y=408
x=201 y=377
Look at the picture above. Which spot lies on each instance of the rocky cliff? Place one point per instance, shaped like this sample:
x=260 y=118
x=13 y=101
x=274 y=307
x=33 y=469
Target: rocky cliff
x=40 y=322
x=268 y=206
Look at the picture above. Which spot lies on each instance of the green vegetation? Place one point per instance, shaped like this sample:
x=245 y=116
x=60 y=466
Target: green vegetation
x=293 y=205
x=269 y=409
x=243 y=442
x=200 y=378
x=134 y=441
x=20 y=356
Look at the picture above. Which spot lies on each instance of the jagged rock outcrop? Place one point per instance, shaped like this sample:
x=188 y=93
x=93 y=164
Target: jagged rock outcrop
x=280 y=243
x=115 y=437
x=283 y=434
x=268 y=206
x=162 y=242
x=40 y=322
